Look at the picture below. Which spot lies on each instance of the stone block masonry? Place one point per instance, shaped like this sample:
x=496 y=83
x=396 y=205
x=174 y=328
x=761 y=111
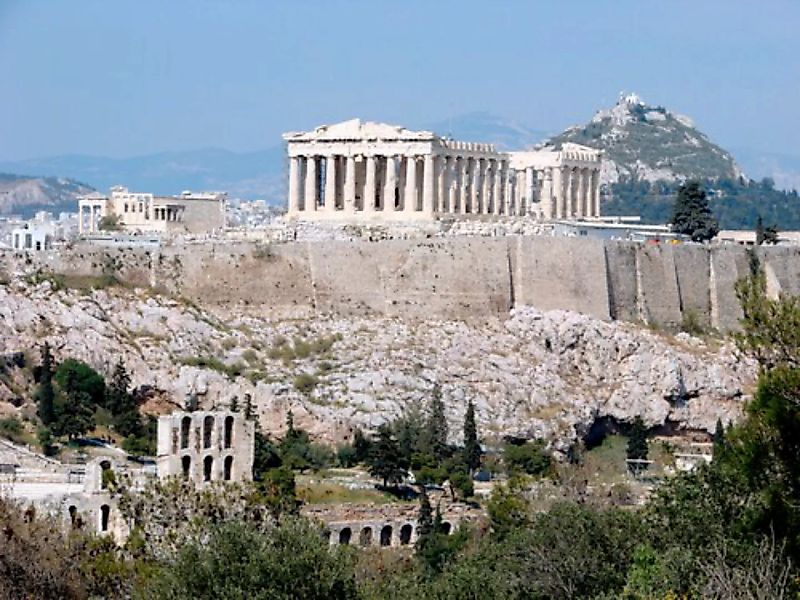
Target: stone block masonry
x=442 y=278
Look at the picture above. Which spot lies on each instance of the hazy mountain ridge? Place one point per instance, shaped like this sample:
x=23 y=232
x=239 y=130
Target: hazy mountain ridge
x=24 y=195
x=650 y=143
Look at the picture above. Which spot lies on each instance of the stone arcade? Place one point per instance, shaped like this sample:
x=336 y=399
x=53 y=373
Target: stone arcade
x=358 y=170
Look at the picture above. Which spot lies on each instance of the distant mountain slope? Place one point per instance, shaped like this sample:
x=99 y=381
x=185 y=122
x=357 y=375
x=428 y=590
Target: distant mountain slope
x=650 y=143
x=24 y=195
x=489 y=128
x=245 y=175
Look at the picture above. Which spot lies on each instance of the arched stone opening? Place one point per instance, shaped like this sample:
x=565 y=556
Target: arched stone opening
x=105 y=513
x=365 y=537
x=186 y=426
x=228 y=468
x=208 y=465
x=405 y=534
x=186 y=466
x=447 y=527
x=228 y=432
x=386 y=535
x=208 y=426
x=344 y=536
x=104 y=466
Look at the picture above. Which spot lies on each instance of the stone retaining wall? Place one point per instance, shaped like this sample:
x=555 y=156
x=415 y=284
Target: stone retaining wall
x=451 y=278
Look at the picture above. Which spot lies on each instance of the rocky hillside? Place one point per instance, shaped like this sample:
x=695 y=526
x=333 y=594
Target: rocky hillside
x=650 y=143
x=552 y=374
x=24 y=195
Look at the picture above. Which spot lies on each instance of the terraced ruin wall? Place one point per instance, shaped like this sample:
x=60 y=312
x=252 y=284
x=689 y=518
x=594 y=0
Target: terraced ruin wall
x=456 y=278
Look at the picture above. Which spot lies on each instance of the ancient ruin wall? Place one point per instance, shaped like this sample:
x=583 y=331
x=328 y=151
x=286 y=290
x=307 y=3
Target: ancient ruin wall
x=449 y=278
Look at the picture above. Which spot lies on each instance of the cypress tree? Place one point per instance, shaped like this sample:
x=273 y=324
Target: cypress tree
x=424 y=517
x=45 y=394
x=437 y=428
x=637 y=442
x=719 y=438
x=472 y=448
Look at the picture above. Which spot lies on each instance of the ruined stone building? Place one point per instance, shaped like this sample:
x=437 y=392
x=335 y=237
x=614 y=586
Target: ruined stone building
x=364 y=171
x=135 y=212
x=205 y=446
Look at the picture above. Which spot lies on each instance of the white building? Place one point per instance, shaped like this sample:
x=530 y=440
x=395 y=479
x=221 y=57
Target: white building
x=33 y=237
x=376 y=172
x=136 y=212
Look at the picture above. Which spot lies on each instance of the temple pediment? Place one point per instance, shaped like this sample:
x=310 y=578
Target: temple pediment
x=358 y=130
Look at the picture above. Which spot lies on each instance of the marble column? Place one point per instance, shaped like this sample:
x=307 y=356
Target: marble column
x=486 y=189
x=477 y=200
x=310 y=199
x=596 y=193
x=443 y=183
x=464 y=201
x=530 y=181
x=410 y=200
x=546 y=198
x=567 y=208
x=390 y=185
x=558 y=191
x=580 y=195
x=428 y=184
x=497 y=194
x=454 y=186
x=508 y=204
x=330 y=183
x=350 y=185
x=369 y=186
x=294 y=184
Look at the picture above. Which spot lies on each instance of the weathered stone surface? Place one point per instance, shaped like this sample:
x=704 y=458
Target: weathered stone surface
x=530 y=373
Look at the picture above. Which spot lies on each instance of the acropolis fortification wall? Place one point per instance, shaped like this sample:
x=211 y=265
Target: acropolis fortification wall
x=449 y=278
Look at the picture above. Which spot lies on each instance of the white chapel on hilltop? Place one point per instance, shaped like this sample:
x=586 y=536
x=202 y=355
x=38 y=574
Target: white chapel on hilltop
x=356 y=170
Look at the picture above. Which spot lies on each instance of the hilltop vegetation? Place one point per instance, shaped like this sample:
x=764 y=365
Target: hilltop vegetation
x=736 y=203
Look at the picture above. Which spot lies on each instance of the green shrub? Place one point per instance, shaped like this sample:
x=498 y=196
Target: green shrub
x=213 y=363
x=305 y=383
x=12 y=428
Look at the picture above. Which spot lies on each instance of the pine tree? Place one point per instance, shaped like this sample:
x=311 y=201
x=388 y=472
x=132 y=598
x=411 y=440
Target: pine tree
x=234 y=407
x=759 y=231
x=692 y=215
x=472 y=448
x=637 y=443
x=248 y=407
x=45 y=395
x=385 y=460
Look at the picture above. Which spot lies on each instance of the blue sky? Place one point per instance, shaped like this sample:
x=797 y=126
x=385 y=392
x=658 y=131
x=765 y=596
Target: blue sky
x=121 y=78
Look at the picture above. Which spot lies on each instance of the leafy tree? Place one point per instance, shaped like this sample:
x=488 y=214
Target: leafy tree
x=770 y=328
x=530 y=457
x=461 y=481
x=279 y=491
x=83 y=378
x=75 y=410
x=691 y=214
x=385 y=460
x=508 y=509
x=362 y=446
x=265 y=455
x=472 y=448
x=291 y=561
x=45 y=394
x=410 y=431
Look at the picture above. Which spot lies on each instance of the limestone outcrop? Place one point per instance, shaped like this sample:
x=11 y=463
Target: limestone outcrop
x=530 y=373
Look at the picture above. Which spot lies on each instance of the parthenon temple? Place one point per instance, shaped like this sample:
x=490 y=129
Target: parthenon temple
x=358 y=170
